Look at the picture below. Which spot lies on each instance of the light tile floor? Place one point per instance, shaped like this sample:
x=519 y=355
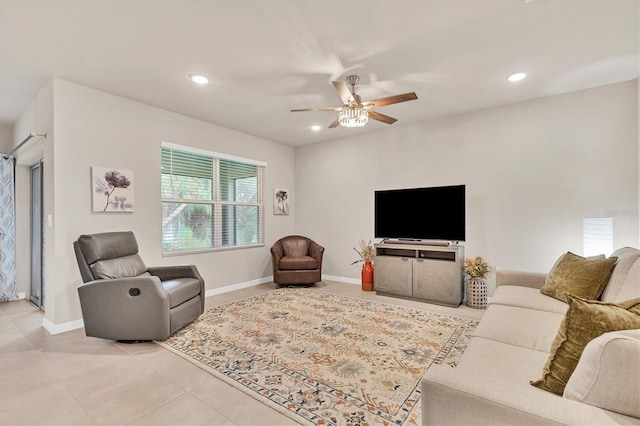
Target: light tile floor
x=71 y=379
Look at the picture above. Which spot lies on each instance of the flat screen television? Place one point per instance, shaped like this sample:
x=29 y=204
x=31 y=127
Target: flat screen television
x=434 y=213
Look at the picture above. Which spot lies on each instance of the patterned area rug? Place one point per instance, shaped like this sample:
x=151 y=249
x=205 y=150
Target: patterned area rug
x=325 y=359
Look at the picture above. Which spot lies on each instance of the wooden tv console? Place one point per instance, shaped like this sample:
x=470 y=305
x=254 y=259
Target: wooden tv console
x=432 y=273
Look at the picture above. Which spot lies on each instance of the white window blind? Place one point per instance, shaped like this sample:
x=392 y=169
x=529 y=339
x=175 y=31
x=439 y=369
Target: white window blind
x=210 y=200
x=597 y=236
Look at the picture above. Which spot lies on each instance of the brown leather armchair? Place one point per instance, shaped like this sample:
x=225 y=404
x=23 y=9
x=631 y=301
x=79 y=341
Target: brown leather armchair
x=296 y=260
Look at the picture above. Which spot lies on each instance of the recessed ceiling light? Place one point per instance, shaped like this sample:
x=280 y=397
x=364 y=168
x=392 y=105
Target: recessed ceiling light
x=517 y=76
x=199 y=78
x=315 y=127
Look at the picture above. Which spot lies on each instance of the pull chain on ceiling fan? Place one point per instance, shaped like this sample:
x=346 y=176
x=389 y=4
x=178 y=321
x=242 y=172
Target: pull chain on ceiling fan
x=354 y=112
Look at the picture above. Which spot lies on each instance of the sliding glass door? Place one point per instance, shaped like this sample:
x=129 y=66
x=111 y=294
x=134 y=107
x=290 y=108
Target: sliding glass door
x=37 y=294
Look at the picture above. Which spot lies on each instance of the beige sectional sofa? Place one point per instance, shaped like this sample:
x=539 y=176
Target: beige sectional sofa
x=491 y=383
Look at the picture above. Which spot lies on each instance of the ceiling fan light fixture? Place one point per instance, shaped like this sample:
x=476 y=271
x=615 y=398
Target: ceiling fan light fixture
x=356 y=113
x=353 y=116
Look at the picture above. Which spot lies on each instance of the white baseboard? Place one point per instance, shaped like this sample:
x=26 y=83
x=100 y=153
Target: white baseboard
x=342 y=279
x=22 y=296
x=238 y=286
x=62 y=327
x=247 y=284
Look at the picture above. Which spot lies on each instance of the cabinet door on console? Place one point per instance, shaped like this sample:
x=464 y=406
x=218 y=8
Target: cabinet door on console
x=438 y=281
x=393 y=275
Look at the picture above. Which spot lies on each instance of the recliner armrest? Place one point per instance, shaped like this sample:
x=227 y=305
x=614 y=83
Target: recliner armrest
x=166 y=273
x=135 y=308
x=172 y=272
x=148 y=283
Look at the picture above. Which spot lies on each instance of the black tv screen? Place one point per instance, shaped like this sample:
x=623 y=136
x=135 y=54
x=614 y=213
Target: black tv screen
x=435 y=213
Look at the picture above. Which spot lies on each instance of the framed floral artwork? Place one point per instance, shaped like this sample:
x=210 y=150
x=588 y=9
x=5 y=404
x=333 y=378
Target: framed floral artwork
x=280 y=201
x=112 y=190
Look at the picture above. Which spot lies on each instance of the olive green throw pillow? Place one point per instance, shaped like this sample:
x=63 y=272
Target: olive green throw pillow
x=582 y=277
x=584 y=321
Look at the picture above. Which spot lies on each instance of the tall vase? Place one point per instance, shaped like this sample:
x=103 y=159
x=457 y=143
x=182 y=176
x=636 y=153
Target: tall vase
x=367 y=276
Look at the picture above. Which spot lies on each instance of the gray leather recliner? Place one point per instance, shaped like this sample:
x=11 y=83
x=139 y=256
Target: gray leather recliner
x=122 y=299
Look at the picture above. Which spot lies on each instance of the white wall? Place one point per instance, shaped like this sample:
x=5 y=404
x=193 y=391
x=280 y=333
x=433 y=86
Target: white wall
x=6 y=137
x=533 y=170
x=93 y=128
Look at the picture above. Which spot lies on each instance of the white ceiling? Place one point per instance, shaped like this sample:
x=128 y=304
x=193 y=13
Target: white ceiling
x=267 y=57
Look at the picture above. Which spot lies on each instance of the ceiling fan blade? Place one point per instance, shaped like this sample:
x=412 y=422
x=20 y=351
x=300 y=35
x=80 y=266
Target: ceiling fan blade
x=334 y=124
x=343 y=92
x=377 y=103
x=318 y=109
x=381 y=117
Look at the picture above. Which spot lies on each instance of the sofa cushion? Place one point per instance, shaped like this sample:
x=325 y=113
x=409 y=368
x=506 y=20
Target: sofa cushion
x=607 y=374
x=527 y=328
x=120 y=267
x=584 y=321
x=627 y=256
x=527 y=297
x=631 y=286
x=181 y=289
x=490 y=386
x=579 y=276
x=289 y=263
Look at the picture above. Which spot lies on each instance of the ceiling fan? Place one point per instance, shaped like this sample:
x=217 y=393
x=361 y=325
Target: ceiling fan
x=354 y=112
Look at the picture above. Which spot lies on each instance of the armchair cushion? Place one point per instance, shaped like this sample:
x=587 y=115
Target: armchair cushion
x=295 y=246
x=298 y=262
x=121 y=267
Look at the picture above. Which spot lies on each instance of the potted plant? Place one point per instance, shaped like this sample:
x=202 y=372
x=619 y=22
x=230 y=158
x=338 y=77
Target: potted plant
x=366 y=253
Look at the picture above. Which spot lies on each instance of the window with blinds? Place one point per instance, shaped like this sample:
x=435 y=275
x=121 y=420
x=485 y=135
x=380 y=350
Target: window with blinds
x=597 y=236
x=210 y=200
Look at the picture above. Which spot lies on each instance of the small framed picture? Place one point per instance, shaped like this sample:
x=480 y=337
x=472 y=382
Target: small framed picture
x=112 y=190
x=280 y=201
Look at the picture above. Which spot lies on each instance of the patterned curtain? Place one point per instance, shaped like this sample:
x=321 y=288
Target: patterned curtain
x=8 y=289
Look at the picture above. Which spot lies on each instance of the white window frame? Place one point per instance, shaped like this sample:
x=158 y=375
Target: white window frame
x=216 y=203
x=597 y=236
